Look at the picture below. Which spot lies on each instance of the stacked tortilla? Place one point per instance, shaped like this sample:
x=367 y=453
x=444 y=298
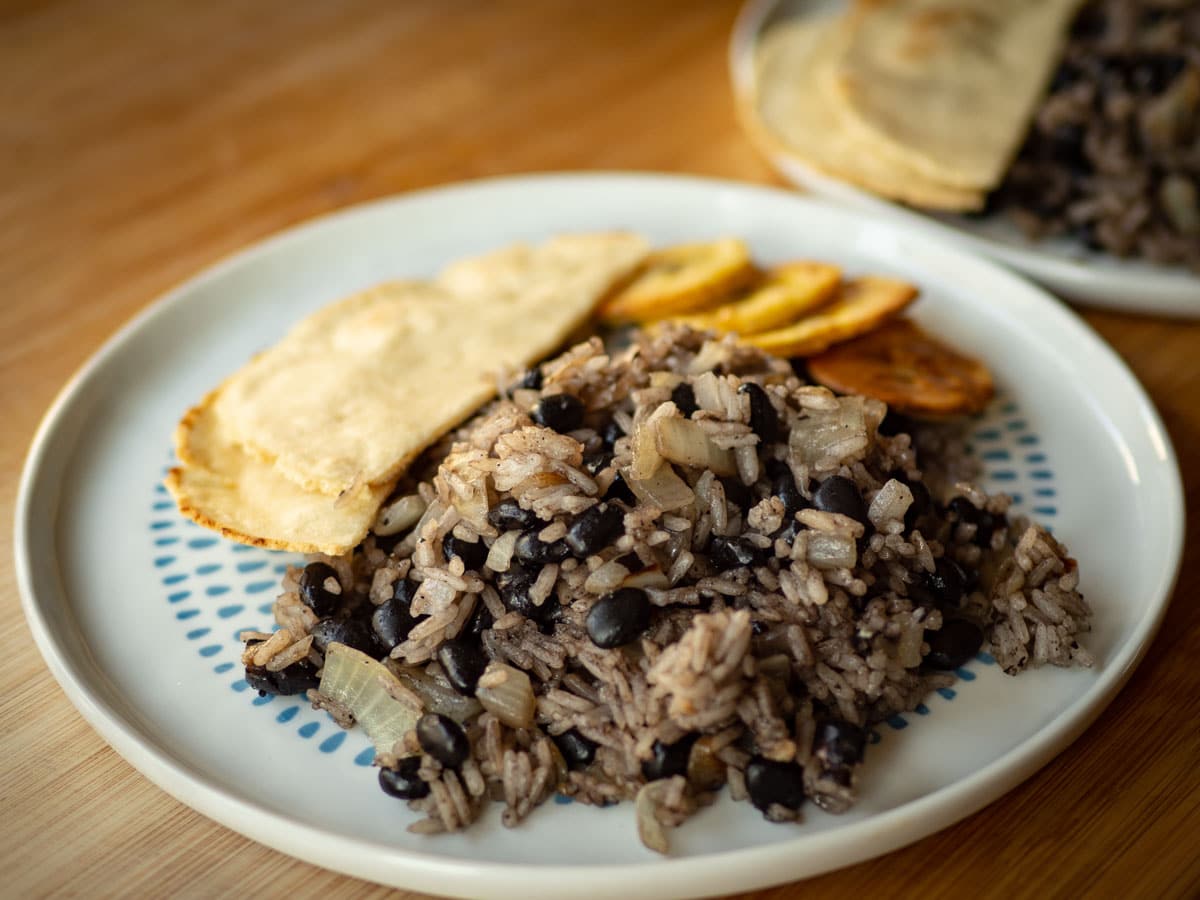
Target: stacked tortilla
x=921 y=101
x=300 y=447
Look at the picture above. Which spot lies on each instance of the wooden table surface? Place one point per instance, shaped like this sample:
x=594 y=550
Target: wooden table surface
x=140 y=142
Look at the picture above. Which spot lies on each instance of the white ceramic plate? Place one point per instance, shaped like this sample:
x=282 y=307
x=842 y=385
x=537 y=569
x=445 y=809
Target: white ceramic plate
x=136 y=611
x=1095 y=279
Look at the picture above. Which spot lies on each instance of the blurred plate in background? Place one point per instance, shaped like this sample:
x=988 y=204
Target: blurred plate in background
x=1064 y=266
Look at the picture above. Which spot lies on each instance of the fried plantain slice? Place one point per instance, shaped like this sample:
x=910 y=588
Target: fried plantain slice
x=861 y=305
x=789 y=291
x=682 y=279
x=908 y=369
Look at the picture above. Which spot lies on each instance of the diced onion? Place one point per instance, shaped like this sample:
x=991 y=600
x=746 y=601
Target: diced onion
x=838 y=433
x=507 y=693
x=683 y=441
x=359 y=683
x=645 y=807
x=707 y=391
x=646 y=458
x=437 y=694
x=400 y=515
x=664 y=489
x=705 y=772
x=472 y=505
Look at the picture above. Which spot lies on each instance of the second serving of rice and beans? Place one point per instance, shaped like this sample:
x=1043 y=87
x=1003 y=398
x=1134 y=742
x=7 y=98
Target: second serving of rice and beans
x=1113 y=154
x=649 y=573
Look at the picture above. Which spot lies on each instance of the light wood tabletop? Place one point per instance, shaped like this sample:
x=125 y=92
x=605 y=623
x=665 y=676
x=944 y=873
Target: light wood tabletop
x=142 y=141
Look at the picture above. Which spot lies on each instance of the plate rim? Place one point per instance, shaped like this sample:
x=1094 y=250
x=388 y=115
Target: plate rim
x=1172 y=292
x=387 y=864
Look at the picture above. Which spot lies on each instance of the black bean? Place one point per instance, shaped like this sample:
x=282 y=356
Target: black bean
x=668 y=760
x=985 y=523
x=764 y=421
x=985 y=527
x=393 y=620
x=734 y=552
x=403 y=591
x=463 y=662
x=387 y=542
x=839 y=744
x=577 y=750
x=800 y=368
x=837 y=494
x=619 y=490
x=611 y=433
x=532 y=549
x=631 y=561
x=543 y=616
x=562 y=412
x=953 y=644
x=295 y=679
x=443 y=739
x=594 y=529
x=354 y=633
x=1091 y=22
x=314 y=593
x=1154 y=74
x=473 y=555
x=783 y=486
x=403 y=781
x=769 y=782
x=618 y=618
x=481 y=620
x=514 y=588
x=1065 y=144
x=947 y=583
x=596 y=461
x=1064 y=77
x=684 y=399
x=515 y=597
x=838 y=749
x=327 y=631
x=516 y=578
x=508 y=514
x=532 y=380
x=261 y=680
x=895 y=423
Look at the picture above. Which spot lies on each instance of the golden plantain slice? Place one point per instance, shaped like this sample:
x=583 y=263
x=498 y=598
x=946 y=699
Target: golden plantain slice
x=682 y=279
x=859 y=307
x=789 y=291
x=908 y=370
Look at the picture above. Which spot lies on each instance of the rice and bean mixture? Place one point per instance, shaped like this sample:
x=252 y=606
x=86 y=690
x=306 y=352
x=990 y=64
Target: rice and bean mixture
x=1113 y=157
x=647 y=574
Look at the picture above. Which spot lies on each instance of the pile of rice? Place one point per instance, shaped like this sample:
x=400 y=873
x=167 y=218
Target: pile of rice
x=1113 y=157
x=827 y=626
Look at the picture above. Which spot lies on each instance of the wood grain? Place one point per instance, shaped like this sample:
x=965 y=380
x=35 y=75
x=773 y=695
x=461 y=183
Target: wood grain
x=142 y=141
